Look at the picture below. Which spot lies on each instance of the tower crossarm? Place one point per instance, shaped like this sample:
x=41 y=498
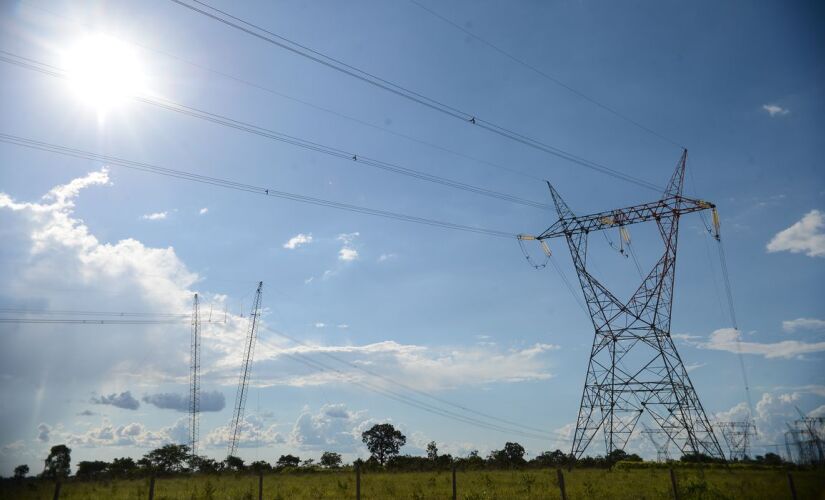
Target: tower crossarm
x=673 y=206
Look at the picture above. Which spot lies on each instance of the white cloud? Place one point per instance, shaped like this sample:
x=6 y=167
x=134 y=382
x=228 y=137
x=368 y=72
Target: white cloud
x=123 y=400
x=297 y=241
x=342 y=326
x=774 y=110
x=805 y=235
x=423 y=367
x=348 y=253
x=730 y=340
x=793 y=325
x=203 y=211
x=771 y=414
x=155 y=216
x=333 y=428
x=133 y=434
x=209 y=401
x=252 y=432
x=58 y=253
x=320 y=325
x=386 y=256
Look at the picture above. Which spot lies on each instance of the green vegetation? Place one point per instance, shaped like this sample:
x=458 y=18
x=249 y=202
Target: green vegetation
x=620 y=483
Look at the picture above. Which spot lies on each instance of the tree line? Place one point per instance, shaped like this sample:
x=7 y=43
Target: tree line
x=383 y=441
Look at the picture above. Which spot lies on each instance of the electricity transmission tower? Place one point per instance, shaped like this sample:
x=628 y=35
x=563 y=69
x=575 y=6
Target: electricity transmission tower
x=634 y=366
x=803 y=440
x=243 y=380
x=660 y=442
x=737 y=437
x=195 y=378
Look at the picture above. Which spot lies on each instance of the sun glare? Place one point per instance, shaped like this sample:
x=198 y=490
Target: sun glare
x=104 y=72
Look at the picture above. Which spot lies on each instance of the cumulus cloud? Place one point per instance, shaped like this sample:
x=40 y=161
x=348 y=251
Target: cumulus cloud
x=806 y=236
x=333 y=428
x=771 y=414
x=209 y=401
x=253 y=431
x=56 y=252
x=203 y=211
x=730 y=340
x=774 y=110
x=133 y=434
x=123 y=400
x=298 y=240
x=793 y=325
x=384 y=257
x=155 y=216
x=347 y=252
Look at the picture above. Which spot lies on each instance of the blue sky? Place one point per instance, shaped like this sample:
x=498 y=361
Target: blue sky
x=457 y=315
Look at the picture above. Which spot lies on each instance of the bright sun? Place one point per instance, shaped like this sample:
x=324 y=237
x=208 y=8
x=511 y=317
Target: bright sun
x=104 y=72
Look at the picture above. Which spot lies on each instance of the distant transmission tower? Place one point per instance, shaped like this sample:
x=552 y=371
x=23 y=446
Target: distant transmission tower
x=737 y=436
x=634 y=366
x=195 y=378
x=660 y=441
x=243 y=380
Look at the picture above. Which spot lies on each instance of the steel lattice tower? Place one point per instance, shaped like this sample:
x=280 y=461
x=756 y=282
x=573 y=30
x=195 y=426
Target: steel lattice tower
x=655 y=436
x=634 y=367
x=737 y=436
x=243 y=379
x=195 y=378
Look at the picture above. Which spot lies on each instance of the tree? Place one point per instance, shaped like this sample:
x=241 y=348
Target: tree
x=91 y=469
x=234 y=463
x=122 y=467
x=770 y=459
x=168 y=459
x=58 y=463
x=331 y=459
x=511 y=456
x=432 y=451
x=383 y=441
x=260 y=466
x=20 y=471
x=551 y=459
x=205 y=465
x=288 y=461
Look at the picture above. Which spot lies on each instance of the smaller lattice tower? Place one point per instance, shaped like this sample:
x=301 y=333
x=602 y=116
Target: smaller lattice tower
x=243 y=379
x=195 y=378
x=737 y=436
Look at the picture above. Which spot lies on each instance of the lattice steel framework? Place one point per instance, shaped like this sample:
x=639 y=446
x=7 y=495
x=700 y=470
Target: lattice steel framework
x=737 y=437
x=243 y=379
x=660 y=441
x=634 y=367
x=195 y=378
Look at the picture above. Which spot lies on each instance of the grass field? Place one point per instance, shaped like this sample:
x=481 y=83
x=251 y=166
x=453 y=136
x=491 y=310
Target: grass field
x=529 y=484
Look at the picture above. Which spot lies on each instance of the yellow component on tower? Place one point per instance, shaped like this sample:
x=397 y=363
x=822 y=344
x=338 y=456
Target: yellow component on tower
x=546 y=249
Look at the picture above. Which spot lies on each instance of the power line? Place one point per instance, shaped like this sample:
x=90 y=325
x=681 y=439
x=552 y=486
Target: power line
x=338 y=65
x=403 y=385
x=169 y=105
x=228 y=184
x=41 y=312
x=546 y=75
x=298 y=100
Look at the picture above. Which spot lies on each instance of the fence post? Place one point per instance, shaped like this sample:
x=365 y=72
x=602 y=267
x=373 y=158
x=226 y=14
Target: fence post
x=673 y=484
x=152 y=487
x=57 y=490
x=357 y=481
x=454 y=490
x=791 y=485
x=560 y=476
x=261 y=485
